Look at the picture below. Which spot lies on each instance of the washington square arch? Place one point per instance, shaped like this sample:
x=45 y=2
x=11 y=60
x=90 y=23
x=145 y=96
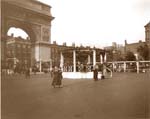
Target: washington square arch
x=35 y=19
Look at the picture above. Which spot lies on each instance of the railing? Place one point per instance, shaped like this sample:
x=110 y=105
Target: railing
x=116 y=66
x=84 y=68
x=130 y=66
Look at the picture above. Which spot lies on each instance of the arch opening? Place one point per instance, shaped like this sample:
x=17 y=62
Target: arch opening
x=18 y=32
x=18 y=50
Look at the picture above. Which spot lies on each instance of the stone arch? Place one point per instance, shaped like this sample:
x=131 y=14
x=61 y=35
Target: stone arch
x=35 y=19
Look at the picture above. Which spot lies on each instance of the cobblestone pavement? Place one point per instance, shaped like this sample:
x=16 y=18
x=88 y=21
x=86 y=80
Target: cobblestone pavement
x=125 y=96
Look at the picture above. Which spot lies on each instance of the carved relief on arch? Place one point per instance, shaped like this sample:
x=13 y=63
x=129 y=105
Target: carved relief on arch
x=37 y=32
x=13 y=23
x=46 y=33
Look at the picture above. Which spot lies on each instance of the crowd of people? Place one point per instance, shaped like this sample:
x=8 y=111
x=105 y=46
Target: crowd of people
x=56 y=72
x=99 y=68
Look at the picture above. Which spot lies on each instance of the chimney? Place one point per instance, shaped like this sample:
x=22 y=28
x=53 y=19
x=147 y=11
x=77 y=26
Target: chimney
x=140 y=41
x=114 y=44
x=64 y=44
x=54 y=42
x=125 y=42
x=12 y=35
x=81 y=45
x=73 y=44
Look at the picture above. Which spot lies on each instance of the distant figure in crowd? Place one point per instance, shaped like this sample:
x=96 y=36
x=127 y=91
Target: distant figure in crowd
x=95 y=74
x=34 y=69
x=27 y=72
x=103 y=71
x=57 y=77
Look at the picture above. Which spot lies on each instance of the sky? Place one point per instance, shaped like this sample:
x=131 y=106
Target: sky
x=98 y=22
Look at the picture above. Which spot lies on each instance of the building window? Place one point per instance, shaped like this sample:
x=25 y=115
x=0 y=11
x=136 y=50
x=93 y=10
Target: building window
x=18 y=45
x=29 y=46
x=24 y=46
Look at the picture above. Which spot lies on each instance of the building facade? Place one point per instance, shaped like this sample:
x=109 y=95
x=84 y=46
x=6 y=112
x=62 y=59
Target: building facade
x=133 y=46
x=147 y=33
x=18 y=52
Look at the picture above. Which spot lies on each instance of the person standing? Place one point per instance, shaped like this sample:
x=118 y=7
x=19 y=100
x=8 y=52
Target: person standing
x=60 y=77
x=27 y=72
x=54 y=76
x=95 y=74
x=34 y=69
x=57 y=77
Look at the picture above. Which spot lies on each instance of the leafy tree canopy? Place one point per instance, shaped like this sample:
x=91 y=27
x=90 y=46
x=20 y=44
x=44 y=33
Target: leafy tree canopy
x=130 y=56
x=144 y=51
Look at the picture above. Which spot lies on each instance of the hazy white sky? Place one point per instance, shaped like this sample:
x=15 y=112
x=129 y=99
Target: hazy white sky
x=98 y=22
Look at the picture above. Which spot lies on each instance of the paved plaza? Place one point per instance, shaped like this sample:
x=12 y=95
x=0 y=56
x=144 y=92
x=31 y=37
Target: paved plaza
x=125 y=96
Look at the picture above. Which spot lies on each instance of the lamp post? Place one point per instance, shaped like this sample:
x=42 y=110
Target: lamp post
x=50 y=64
x=137 y=63
x=40 y=65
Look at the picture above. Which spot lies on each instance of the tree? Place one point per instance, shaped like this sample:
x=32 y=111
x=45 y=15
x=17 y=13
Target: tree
x=130 y=56
x=114 y=55
x=144 y=51
x=109 y=55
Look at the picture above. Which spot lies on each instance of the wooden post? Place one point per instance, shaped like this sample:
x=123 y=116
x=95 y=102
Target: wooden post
x=124 y=67
x=74 y=61
x=113 y=65
x=137 y=65
x=40 y=65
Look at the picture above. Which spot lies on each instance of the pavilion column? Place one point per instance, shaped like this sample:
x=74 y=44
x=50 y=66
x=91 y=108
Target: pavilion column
x=101 y=59
x=94 y=57
x=105 y=57
x=74 y=61
x=113 y=66
x=40 y=60
x=89 y=59
x=61 y=61
x=50 y=64
x=124 y=66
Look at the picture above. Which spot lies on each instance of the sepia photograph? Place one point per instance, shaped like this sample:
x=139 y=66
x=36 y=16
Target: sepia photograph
x=75 y=59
